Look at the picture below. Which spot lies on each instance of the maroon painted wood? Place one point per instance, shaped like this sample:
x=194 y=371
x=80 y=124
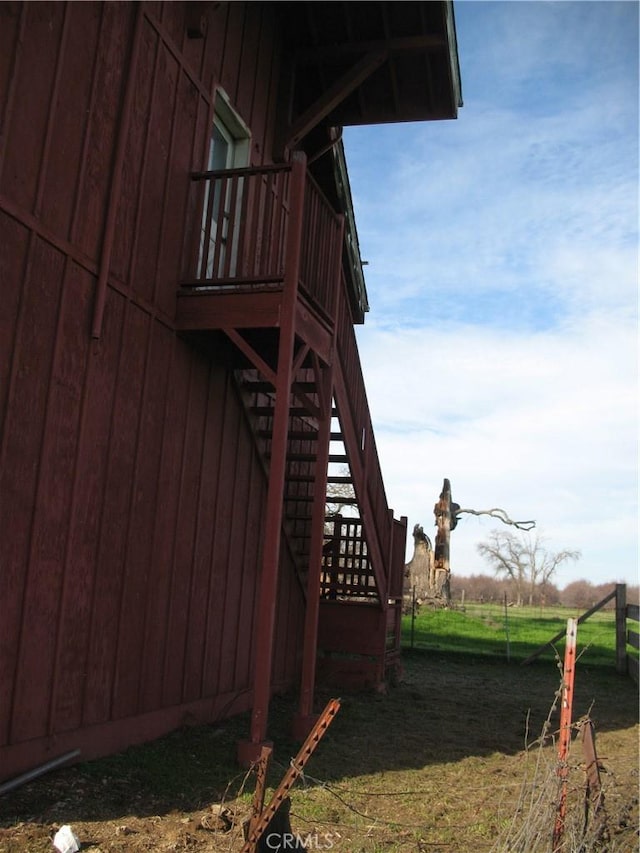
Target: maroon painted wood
x=271 y=548
x=145 y=575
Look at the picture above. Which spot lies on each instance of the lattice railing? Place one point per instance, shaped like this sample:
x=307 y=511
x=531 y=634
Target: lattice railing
x=346 y=567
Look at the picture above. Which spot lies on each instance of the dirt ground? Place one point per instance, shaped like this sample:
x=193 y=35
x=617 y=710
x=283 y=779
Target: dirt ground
x=440 y=763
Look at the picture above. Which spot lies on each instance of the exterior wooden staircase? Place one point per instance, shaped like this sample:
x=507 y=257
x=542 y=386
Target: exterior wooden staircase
x=272 y=283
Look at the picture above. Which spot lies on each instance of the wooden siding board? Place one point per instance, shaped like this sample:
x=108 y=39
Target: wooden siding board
x=233 y=632
x=14 y=239
x=110 y=73
x=248 y=61
x=40 y=611
x=191 y=212
x=201 y=585
x=128 y=219
x=174 y=22
x=194 y=485
x=220 y=566
x=21 y=448
x=214 y=456
x=67 y=132
x=291 y=641
x=193 y=49
x=53 y=103
x=263 y=100
x=161 y=575
x=256 y=501
x=36 y=73
x=187 y=485
x=282 y=618
x=111 y=567
x=295 y=623
x=70 y=373
x=90 y=476
x=156 y=164
x=176 y=195
x=215 y=44
x=140 y=540
x=230 y=68
x=12 y=24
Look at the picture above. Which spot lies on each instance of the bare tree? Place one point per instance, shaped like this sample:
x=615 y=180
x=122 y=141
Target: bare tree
x=524 y=560
x=342 y=494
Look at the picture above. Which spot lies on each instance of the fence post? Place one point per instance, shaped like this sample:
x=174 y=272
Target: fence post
x=413 y=613
x=621 y=628
x=506 y=628
x=564 y=742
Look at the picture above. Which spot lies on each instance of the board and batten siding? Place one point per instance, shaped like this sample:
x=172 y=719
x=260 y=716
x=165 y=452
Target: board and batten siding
x=131 y=492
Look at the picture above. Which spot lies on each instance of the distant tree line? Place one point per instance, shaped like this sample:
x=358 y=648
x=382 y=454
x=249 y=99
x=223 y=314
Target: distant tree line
x=581 y=594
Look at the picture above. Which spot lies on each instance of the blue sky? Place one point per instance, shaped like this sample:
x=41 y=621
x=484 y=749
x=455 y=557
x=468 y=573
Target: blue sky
x=501 y=346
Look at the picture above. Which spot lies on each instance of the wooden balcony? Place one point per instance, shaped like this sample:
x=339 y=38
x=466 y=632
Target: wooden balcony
x=262 y=238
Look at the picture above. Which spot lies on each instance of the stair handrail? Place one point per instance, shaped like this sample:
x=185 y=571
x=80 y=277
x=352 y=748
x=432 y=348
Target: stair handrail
x=353 y=409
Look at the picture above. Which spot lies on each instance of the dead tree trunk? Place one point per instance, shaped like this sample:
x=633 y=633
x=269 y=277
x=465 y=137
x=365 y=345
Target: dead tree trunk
x=446 y=520
x=419 y=571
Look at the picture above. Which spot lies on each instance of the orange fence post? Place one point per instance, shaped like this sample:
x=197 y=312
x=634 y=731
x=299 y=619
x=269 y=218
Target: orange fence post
x=568 y=678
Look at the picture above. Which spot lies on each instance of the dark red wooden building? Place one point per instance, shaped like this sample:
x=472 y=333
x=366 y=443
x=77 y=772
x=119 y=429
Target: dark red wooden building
x=180 y=387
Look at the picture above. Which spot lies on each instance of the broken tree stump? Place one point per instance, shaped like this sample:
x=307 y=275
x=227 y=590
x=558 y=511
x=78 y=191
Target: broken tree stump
x=446 y=519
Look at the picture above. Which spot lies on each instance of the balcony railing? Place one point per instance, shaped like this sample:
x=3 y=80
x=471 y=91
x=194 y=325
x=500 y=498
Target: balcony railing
x=243 y=231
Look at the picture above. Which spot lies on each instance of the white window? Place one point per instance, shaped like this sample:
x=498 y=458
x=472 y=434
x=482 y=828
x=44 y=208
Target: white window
x=228 y=149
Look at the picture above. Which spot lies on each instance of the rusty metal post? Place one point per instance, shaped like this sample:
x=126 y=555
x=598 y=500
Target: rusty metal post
x=262 y=767
x=294 y=771
x=564 y=744
x=594 y=801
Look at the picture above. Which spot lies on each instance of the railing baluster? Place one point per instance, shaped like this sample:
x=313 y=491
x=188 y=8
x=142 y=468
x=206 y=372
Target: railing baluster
x=205 y=238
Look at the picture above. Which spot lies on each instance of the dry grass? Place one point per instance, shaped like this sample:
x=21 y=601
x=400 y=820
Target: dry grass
x=447 y=761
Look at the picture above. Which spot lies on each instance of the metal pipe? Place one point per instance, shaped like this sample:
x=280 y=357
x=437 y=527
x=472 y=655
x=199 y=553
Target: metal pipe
x=37 y=771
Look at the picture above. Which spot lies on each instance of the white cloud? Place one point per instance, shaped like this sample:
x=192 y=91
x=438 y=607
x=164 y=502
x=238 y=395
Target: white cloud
x=543 y=425
x=501 y=350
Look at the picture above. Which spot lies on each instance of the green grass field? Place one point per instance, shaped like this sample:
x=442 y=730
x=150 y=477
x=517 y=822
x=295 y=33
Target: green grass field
x=482 y=629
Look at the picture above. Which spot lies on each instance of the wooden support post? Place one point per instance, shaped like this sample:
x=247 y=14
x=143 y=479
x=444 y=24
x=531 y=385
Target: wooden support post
x=564 y=743
x=621 y=629
x=304 y=719
x=249 y=751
